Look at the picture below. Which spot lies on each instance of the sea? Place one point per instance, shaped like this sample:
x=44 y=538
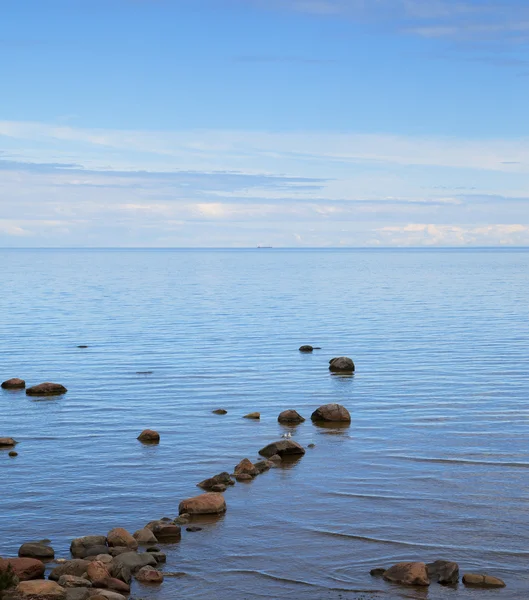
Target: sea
x=434 y=465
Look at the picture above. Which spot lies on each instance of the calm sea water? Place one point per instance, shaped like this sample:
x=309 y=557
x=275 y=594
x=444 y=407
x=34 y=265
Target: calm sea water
x=434 y=465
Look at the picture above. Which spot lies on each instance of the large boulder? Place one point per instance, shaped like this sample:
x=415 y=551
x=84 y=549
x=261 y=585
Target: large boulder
x=331 y=413
x=341 y=364
x=76 y=567
x=25 y=568
x=408 y=573
x=483 y=581
x=149 y=436
x=444 y=572
x=165 y=531
x=97 y=571
x=7 y=442
x=210 y=503
x=282 y=449
x=121 y=537
x=46 y=389
x=149 y=575
x=290 y=417
x=133 y=561
x=80 y=547
x=14 y=384
x=41 y=589
x=36 y=550
x=71 y=581
x=220 y=479
x=145 y=537
x=246 y=467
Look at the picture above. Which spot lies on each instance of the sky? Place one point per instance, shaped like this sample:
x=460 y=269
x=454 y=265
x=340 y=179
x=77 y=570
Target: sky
x=290 y=123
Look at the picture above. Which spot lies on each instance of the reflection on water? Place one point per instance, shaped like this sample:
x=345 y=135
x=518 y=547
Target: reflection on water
x=432 y=466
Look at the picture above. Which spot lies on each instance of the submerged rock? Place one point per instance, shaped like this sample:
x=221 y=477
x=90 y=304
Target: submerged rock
x=210 y=503
x=46 y=389
x=341 y=364
x=444 y=572
x=282 y=449
x=291 y=417
x=408 y=573
x=36 y=550
x=484 y=581
x=333 y=413
x=149 y=436
x=14 y=384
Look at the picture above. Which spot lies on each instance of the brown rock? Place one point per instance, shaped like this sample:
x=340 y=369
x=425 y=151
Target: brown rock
x=335 y=413
x=14 y=384
x=377 y=572
x=210 y=503
x=119 y=537
x=149 y=436
x=42 y=588
x=444 y=572
x=263 y=465
x=145 y=536
x=69 y=581
x=244 y=477
x=12 y=454
x=219 y=487
x=79 y=546
x=25 y=568
x=290 y=417
x=275 y=458
x=36 y=550
x=485 y=581
x=165 y=531
x=282 y=448
x=75 y=567
x=7 y=442
x=306 y=348
x=341 y=364
x=220 y=411
x=116 y=585
x=253 y=415
x=106 y=559
x=99 y=594
x=149 y=575
x=246 y=467
x=46 y=389
x=117 y=550
x=408 y=573
x=97 y=571
x=220 y=479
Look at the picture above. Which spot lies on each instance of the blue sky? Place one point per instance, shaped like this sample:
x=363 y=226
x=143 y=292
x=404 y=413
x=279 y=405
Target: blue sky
x=284 y=122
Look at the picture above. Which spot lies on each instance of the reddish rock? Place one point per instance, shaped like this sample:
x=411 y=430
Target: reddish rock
x=46 y=389
x=282 y=449
x=290 y=417
x=246 y=467
x=408 y=573
x=97 y=571
x=149 y=436
x=145 y=536
x=7 y=442
x=149 y=575
x=111 y=583
x=42 y=589
x=484 y=581
x=211 y=503
x=120 y=537
x=89 y=545
x=24 y=568
x=165 y=531
x=334 y=413
x=69 y=581
x=14 y=384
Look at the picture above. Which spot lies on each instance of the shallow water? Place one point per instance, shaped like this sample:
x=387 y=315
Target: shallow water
x=434 y=465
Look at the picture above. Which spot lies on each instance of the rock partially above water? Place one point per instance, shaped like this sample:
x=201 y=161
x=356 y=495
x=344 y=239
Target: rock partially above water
x=484 y=581
x=210 y=503
x=165 y=531
x=253 y=415
x=46 y=389
x=145 y=536
x=7 y=442
x=306 y=348
x=220 y=479
x=282 y=448
x=332 y=413
x=36 y=550
x=444 y=572
x=81 y=545
x=14 y=384
x=408 y=573
x=341 y=364
x=149 y=575
x=246 y=467
x=133 y=561
x=149 y=436
x=291 y=417
x=377 y=572
x=220 y=411
x=121 y=537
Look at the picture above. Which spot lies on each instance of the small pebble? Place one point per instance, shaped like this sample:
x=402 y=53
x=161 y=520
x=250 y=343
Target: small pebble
x=13 y=453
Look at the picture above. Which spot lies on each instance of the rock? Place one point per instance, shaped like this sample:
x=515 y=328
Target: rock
x=79 y=546
x=243 y=477
x=76 y=567
x=149 y=436
x=160 y=557
x=209 y=503
x=290 y=417
x=46 y=389
x=132 y=561
x=41 y=588
x=282 y=448
x=182 y=520
x=408 y=573
x=444 y=572
x=334 y=413
x=193 y=529
x=12 y=454
x=263 y=465
x=68 y=581
x=145 y=536
x=222 y=479
x=275 y=458
x=117 y=550
x=341 y=364
x=7 y=442
x=119 y=537
x=149 y=575
x=153 y=549
x=116 y=585
x=106 y=559
x=253 y=415
x=25 y=568
x=484 y=581
x=165 y=531
x=99 y=594
x=378 y=572
x=219 y=487
x=220 y=411
x=246 y=467
x=311 y=446
x=97 y=571
x=14 y=384
x=82 y=346
x=36 y=550
x=77 y=593
x=306 y=348
x=94 y=551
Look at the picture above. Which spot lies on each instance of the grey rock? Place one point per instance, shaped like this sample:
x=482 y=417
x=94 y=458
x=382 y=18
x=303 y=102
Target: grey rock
x=79 y=546
x=76 y=567
x=36 y=550
x=444 y=572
